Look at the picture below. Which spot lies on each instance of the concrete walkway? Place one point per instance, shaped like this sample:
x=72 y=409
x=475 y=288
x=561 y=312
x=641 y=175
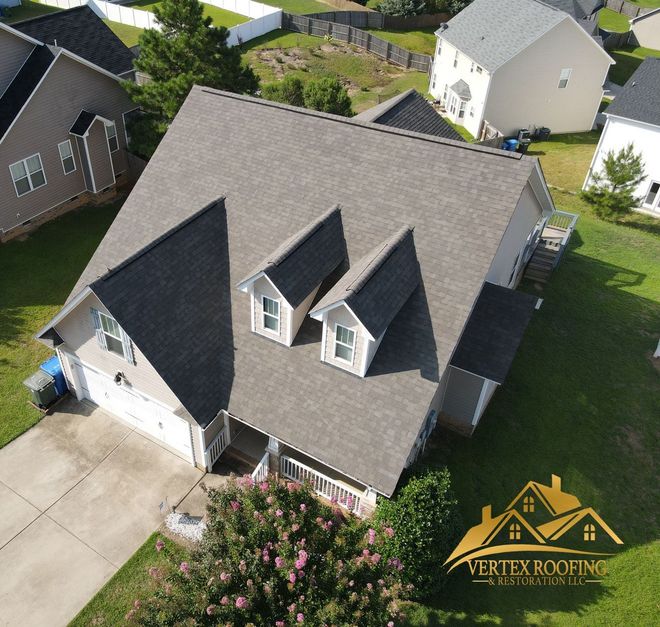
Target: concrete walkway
x=79 y=493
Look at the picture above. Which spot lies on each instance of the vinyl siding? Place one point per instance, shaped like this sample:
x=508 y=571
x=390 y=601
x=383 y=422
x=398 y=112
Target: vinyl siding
x=647 y=31
x=342 y=316
x=13 y=53
x=80 y=155
x=462 y=396
x=77 y=331
x=262 y=287
x=67 y=89
x=99 y=156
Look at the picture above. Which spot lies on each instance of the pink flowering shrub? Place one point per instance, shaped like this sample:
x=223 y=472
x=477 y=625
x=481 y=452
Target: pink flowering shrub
x=273 y=554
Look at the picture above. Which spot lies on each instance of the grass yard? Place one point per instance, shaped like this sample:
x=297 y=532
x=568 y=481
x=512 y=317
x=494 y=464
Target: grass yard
x=128 y=34
x=613 y=21
x=461 y=130
x=369 y=80
x=37 y=276
x=110 y=605
x=628 y=59
x=421 y=40
x=301 y=7
x=221 y=17
x=28 y=10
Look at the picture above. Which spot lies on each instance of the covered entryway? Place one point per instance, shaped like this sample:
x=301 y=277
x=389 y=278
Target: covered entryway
x=135 y=408
x=93 y=135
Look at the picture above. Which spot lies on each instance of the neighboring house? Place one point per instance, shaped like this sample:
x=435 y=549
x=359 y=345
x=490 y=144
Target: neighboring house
x=634 y=117
x=410 y=111
x=646 y=30
x=329 y=296
x=62 y=135
x=503 y=66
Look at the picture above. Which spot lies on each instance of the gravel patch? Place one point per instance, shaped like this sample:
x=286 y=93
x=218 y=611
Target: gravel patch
x=189 y=527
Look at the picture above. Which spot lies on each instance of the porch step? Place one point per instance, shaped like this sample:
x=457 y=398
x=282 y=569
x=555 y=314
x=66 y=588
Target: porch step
x=239 y=461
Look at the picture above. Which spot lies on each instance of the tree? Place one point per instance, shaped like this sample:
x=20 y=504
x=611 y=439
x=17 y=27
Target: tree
x=422 y=527
x=402 y=8
x=273 y=554
x=187 y=50
x=327 y=95
x=456 y=6
x=611 y=192
x=289 y=91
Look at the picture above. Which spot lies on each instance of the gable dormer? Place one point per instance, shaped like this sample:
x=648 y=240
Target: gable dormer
x=358 y=309
x=282 y=286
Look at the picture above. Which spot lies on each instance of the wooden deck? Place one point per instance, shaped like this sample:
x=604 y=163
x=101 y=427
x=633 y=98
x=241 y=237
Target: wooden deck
x=551 y=246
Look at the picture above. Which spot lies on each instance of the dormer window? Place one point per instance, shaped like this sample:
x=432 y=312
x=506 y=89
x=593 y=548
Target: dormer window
x=344 y=343
x=271 y=314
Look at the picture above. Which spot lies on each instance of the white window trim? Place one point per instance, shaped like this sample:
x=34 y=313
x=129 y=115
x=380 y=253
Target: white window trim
x=567 y=79
x=334 y=351
x=75 y=166
x=118 y=338
x=116 y=135
x=270 y=315
x=656 y=200
x=29 y=176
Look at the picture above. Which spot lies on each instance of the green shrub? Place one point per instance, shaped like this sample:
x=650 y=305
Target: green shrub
x=289 y=91
x=422 y=527
x=456 y=6
x=402 y=8
x=328 y=95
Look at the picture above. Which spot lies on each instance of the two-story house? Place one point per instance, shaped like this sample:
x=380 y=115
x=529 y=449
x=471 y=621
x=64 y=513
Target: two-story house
x=62 y=128
x=317 y=303
x=502 y=66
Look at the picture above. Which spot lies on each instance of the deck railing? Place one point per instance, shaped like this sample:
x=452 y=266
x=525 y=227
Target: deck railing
x=565 y=221
x=215 y=449
x=325 y=486
x=260 y=473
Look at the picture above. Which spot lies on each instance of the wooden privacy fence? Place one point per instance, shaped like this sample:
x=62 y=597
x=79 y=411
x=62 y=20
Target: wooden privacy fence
x=626 y=8
x=613 y=40
x=357 y=37
x=372 y=19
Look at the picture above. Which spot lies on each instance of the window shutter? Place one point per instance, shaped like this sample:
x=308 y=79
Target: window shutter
x=100 y=336
x=128 y=348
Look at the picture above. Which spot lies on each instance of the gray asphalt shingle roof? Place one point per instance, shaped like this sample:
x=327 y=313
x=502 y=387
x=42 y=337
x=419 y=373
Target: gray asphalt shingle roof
x=462 y=89
x=303 y=261
x=490 y=33
x=410 y=111
x=640 y=97
x=579 y=9
x=378 y=285
x=279 y=168
x=82 y=123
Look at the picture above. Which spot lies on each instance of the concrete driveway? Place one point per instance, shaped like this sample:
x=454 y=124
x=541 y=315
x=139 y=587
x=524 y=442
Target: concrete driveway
x=79 y=493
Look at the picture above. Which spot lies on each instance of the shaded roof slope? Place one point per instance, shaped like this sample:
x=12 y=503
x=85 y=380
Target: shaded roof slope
x=640 y=97
x=410 y=111
x=82 y=32
x=24 y=83
x=578 y=9
x=302 y=262
x=491 y=33
x=156 y=296
x=494 y=332
x=381 y=177
x=378 y=285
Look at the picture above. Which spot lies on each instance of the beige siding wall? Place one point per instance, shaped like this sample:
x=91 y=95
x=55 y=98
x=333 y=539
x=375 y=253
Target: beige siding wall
x=99 y=156
x=342 y=316
x=13 y=52
x=300 y=312
x=262 y=287
x=462 y=397
x=524 y=92
x=527 y=214
x=77 y=331
x=68 y=88
x=647 y=31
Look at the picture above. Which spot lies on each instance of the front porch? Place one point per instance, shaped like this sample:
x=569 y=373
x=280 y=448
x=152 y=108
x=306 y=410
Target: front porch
x=248 y=451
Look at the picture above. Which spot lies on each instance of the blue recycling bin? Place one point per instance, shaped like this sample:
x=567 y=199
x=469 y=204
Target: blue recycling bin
x=510 y=144
x=53 y=367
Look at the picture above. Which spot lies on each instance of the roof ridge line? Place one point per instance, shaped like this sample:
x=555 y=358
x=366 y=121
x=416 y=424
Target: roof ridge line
x=389 y=130
x=159 y=240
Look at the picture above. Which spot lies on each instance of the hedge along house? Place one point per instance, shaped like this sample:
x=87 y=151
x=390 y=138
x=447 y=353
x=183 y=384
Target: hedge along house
x=63 y=141
x=502 y=66
x=315 y=325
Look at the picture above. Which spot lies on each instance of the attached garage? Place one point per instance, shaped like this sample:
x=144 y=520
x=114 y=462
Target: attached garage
x=135 y=408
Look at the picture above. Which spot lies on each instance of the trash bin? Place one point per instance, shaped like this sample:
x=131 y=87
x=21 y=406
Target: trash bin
x=510 y=145
x=542 y=133
x=42 y=388
x=53 y=367
x=523 y=133
x=523 y=147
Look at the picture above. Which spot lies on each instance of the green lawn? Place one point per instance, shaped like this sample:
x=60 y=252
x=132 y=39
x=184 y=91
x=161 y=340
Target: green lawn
x=128 y=34
x=301 y=7
x=628 y=59
x=461 y=130
x=37 y=276
x=221 y=17
x=27 y=10
x=421 y=40
x=369 y=79
x=613 y=21
x=131 y=581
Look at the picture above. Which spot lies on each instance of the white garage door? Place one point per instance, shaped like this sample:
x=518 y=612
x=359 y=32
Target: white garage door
x=130 y=405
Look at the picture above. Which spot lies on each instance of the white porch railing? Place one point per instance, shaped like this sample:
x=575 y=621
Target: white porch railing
x=215 y=449
x=566 y=222
x=324 y=486
x=260 y=473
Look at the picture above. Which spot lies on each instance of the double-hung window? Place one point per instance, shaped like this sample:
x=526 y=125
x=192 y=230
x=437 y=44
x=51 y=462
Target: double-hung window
x=112 y=333
x=439 y=50
x=652 y=199
x=66 y=155
x=28 y=174
x=344 y=343
x=271 y=314
x=564 y=77
x=456 y=59
x=111 y=133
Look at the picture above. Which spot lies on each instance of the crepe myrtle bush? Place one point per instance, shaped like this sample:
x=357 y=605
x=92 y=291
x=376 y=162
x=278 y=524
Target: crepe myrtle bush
x=273 y=554
x=421 y=527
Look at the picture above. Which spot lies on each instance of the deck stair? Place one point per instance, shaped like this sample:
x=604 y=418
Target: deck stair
x=552 y=244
